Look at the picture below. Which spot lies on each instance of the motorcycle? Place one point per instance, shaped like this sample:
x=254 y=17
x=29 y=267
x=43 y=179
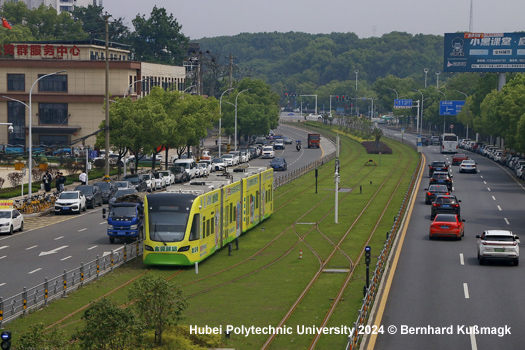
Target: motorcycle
x=298 y=146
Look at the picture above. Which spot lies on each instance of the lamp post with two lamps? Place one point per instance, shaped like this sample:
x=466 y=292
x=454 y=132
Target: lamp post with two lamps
x=421 y=114
x=29 y=106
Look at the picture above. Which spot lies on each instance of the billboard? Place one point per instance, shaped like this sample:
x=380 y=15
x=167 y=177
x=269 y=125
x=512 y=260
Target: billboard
x=484 y=52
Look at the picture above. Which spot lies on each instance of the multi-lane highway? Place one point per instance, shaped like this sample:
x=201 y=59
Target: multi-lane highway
x=51 y=244
x=439 y=287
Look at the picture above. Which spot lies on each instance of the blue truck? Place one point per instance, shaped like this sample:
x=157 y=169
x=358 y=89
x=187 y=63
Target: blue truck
x=125 y=218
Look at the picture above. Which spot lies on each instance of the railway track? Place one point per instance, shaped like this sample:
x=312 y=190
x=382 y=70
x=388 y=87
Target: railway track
x=337 y=248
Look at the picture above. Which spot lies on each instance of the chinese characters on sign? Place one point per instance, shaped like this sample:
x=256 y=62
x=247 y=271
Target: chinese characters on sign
x=39 y=51
x=484 y=52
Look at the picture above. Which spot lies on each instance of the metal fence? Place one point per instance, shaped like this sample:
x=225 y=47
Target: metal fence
x=32 y=299
x=292 y=175
x=382 y=261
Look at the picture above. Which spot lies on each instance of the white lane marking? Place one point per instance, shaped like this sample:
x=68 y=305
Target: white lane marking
x=53 y=251
x=473 y=339
x=507 y=221
x=465 y=289
x=493 y=198
x=34 y=271
x=488 y=188
x=90 y=248
x=1 y=257
x=56 y=239
x=82 y=229
x=3 y=284
x=102 y=223
x=67 y=257
x=485 y=182
x=499 y=208
x=481 y=176
x=3 y=247
x=461 y=259
x=31 y=247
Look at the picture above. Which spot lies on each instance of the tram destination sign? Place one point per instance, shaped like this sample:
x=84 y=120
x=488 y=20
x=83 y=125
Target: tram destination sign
x=484 y=52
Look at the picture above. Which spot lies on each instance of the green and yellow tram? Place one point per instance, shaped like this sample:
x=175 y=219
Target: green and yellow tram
x=185 y=228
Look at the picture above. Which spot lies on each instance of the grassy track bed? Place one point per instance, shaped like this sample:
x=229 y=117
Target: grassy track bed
x=265 y=282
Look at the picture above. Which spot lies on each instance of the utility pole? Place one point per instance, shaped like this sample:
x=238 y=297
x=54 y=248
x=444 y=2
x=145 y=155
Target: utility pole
x=106 y=155
x=231 y=69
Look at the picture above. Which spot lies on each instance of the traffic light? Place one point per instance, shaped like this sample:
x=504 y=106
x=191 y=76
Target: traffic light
x=6 y=340
x=347 y=97
x=337 y=98
x=286 y=94
x=343 y=98
x=367 y=254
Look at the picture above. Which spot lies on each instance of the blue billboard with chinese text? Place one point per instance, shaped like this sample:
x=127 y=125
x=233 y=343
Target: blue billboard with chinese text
x=484 y=52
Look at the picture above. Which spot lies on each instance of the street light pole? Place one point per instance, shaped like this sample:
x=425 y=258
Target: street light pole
x=418 y=124
x=236 y=117
x=220 y=119
x=437 y=79
x=356 y=73
x=397 y=95
x=189 y=87
x=130 y=85
x=30 y=160
x=426 y=73
x=441 y=92
x=467 y=109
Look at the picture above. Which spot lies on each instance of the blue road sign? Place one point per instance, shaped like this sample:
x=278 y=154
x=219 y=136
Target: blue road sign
x=402 y=103
x=450 y=107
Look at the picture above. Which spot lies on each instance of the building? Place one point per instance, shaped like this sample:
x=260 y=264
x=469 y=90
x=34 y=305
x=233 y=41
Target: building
x=59 y=5
x=70 y=104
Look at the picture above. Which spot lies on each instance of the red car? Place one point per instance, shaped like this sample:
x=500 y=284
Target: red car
x=458 y=158
x=447 y=225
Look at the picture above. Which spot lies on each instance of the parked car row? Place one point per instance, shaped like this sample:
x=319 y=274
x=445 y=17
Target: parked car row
x=504 y=157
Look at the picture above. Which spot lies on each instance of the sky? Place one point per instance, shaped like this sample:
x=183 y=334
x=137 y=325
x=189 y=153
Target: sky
x=366 y=18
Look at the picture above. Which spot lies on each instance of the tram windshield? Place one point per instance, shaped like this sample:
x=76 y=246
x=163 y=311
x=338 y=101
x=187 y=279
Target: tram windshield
x=167 y=225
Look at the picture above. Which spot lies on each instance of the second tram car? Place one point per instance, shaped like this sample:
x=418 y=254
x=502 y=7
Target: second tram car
x=449 y=143
x=182 y=228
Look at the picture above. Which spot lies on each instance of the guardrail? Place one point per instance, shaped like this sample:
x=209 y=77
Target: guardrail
x=292 y=175
x=41 y=295
x=364 y=313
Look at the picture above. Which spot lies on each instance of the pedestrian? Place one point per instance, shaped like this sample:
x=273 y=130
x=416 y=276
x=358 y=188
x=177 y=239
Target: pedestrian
x=57 y=181
x=62 y=181
x=47 y=181
x=83 y=177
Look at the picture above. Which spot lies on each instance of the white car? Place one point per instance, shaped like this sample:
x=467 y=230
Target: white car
x=230 y=159
x=236 y=157
x=159 y=180
x=245 y=156
x=268 y=152
x=148 y=178
x=11 y=220
x=189 y=165
x=498 y=245
x=218 y=164
x=204 y=168
x=170 y=177
x=70 y=202
x=468 y=166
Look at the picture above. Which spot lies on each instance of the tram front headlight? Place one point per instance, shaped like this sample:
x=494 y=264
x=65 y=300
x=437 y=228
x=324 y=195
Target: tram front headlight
x=148 y=248
x=184 y=249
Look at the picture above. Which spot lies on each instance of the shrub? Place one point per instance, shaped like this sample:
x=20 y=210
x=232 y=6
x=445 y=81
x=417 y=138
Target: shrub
x=373 y=148
x=15 y=178
x=37 y=174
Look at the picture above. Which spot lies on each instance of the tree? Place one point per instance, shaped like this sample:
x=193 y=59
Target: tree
x=159 y=303
x=158 y=39
x=109 y=327
x=92 y=21
x=46 y=24
x=37 y=338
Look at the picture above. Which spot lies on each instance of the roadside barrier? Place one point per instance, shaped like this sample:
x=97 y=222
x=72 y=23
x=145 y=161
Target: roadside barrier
x=279 y=181
x=364 y=313
x=41 y=295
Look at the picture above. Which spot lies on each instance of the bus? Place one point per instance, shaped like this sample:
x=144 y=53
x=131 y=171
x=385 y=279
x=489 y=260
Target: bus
x=449 y=143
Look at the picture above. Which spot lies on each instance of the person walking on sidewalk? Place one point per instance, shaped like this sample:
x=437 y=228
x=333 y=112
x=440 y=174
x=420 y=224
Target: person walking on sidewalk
x=47 y=181
x=83 y=177
x=57 y=182
x=61 y=181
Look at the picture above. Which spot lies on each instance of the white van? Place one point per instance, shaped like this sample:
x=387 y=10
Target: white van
x=189 y=165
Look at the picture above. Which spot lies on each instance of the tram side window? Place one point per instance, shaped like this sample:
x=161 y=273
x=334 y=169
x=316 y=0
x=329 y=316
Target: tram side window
x=204 y=233
x=212 y=224
x=194 y=233
x=235 y=214
x=227 y=216
x=257 y=199
x=208 y=227
x=231 y=213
